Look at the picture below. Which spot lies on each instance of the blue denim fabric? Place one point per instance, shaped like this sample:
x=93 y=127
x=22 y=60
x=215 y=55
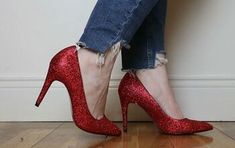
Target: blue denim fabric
x=137 y=24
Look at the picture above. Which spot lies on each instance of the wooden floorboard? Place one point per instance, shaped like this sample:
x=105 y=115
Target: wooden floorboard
x=68 y=135
x=140 y=134
x=227 y=128
x=24 y=135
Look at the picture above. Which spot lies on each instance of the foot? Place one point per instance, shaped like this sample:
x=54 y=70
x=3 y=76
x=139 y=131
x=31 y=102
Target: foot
x=96 y=77
x=156 y=82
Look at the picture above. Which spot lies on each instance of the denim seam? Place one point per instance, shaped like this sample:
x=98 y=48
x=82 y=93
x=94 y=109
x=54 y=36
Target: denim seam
x=127 y=19
x=147 y=50
x=149 y=56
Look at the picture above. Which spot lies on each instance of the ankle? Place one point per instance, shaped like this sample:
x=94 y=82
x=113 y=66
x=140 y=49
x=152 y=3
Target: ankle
x=87 y=55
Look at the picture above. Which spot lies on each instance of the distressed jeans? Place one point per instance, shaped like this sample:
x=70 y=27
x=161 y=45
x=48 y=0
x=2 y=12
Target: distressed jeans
x=137 y=25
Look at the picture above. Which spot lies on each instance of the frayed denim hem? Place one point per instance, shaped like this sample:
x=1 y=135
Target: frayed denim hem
x=123 y=43
x=114 y=49
x=160 y=60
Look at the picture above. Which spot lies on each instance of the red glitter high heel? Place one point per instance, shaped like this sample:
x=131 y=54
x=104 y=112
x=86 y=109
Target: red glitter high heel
x=131 y=90
x=64 y=67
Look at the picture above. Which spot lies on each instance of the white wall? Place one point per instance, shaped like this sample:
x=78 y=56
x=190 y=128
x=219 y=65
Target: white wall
x=200 y=47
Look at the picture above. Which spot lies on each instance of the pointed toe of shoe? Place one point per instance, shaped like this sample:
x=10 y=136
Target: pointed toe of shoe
x=194 y=126
x=113 y=131
x=205 y=126
x=201 y=126
x=117 y=132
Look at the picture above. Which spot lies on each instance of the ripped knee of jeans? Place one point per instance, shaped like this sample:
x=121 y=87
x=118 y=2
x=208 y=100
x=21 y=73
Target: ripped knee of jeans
x=101 y=57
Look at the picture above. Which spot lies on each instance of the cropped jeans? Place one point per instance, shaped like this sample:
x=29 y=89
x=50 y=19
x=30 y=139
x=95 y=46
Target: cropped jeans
x=137 y=25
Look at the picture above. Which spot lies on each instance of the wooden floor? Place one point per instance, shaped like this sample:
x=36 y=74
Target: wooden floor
x=140 y=134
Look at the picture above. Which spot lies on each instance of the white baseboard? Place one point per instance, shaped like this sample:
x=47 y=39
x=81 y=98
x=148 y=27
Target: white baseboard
x=209 y=98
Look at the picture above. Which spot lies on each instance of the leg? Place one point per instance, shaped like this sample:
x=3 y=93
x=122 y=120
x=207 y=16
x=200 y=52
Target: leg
x=111 y=25
x=114 y=20
x=146 y=44
x=147 y=41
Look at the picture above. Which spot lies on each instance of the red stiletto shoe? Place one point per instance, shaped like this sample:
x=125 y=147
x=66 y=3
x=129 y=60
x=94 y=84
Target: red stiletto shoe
x=64 y=67
x=131 y=90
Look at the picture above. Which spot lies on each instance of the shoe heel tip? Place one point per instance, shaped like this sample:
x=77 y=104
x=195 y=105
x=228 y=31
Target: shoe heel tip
x=36 y=104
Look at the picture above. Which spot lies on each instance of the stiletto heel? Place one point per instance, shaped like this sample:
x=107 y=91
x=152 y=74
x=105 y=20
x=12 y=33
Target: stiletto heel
x=131 y=90
x=64 y=67
x=47 y=83
x=124 y=106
